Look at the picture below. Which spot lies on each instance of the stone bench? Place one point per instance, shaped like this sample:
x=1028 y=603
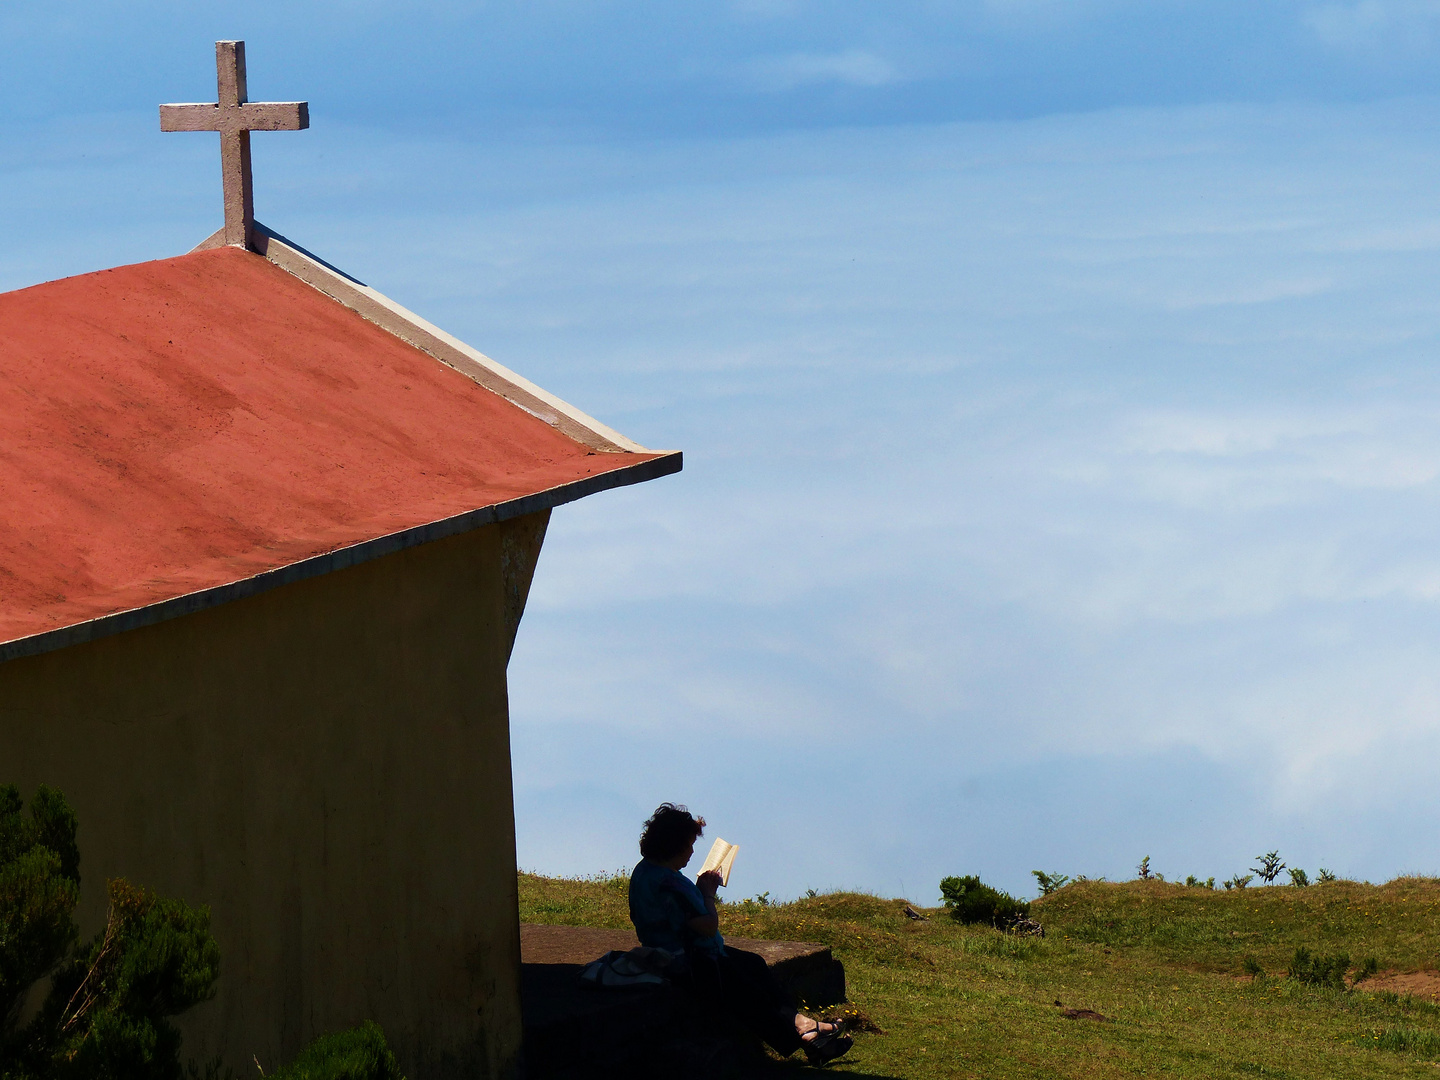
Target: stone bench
x=574 y=1030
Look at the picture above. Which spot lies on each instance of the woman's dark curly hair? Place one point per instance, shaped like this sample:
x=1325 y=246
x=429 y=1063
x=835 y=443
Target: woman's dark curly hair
x=670 y=830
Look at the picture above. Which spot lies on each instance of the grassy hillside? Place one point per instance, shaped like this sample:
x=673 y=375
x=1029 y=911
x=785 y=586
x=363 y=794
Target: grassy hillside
x=1164 y=964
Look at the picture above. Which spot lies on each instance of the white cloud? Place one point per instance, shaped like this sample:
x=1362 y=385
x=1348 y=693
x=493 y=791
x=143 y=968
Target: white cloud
x=1049 y=13
x=1365 y=447
x=1402 y=25
x=853 y=67
x=767 y=9
x=1258 y=292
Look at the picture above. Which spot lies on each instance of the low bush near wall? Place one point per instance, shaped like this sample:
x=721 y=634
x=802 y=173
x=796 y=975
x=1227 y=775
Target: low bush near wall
x=106 y=1014
x=358 y=1054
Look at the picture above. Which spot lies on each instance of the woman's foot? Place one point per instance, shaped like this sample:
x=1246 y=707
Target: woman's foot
x=810 y=1029
x=823 y=1040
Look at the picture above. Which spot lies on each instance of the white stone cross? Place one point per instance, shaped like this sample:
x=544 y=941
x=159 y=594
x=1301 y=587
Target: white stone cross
x=234 y=116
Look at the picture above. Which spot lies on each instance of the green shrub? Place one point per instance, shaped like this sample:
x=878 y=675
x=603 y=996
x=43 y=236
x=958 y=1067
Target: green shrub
x=969 y=900
x=360 y=1053
x=106 y=1015
x=1299 y=879
x=1319 y=970
x=39 y=887
x=154 y=960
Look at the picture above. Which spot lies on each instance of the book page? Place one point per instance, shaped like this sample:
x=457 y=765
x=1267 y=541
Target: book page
x=721 y=858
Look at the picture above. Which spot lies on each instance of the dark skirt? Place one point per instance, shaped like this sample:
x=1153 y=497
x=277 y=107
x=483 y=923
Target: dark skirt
x=741 y=985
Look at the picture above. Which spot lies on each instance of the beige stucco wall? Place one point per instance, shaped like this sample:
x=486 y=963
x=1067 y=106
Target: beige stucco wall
x=327 y=766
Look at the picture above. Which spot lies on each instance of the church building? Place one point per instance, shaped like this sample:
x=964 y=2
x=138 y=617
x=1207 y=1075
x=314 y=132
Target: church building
x=265 y=541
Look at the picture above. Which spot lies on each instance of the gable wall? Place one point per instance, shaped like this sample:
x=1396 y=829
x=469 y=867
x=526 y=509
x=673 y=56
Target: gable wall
x=327 y=766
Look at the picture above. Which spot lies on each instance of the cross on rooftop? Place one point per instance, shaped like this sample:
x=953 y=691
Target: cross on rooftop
x=234 y=116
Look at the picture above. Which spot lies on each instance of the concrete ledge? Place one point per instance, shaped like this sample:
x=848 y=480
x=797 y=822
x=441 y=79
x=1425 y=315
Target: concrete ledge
x=572 y=1030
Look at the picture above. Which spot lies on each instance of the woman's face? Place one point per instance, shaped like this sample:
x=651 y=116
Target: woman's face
x=682 y=858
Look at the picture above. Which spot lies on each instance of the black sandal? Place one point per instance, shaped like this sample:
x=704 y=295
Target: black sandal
x=829 y=1045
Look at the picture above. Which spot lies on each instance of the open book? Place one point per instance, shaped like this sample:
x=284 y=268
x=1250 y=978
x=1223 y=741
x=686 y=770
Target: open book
x=722 y=858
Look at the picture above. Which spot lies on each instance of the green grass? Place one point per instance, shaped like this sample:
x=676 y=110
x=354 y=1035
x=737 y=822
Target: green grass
x=1163 y=962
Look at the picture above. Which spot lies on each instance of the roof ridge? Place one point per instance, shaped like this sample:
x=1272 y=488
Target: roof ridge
x=374 y=306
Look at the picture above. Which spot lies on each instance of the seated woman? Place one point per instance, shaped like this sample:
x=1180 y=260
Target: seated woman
x=673 y=913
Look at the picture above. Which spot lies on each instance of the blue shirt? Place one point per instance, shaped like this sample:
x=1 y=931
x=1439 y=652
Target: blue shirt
x=662 y=903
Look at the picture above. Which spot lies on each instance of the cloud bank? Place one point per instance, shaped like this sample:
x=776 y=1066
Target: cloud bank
x=717 y=67
x=1061 y=486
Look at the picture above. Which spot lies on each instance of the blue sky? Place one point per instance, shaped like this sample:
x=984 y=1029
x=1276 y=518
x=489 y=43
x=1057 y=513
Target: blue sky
x=1056 y=382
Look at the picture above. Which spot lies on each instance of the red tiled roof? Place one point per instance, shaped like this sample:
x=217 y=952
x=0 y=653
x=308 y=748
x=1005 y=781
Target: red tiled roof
x=178 y=425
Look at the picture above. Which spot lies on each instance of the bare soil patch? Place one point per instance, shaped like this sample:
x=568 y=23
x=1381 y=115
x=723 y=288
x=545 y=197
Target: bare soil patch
x=1420 y=984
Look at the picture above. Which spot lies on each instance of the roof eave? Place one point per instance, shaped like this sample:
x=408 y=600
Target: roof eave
x=339 y=559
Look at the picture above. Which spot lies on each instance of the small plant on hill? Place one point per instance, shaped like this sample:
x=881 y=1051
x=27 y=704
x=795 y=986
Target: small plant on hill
x=1270 y=866
x=1318 y=970
x=1238 y=882
x=1252 y=968
x=1050 y=882
x=970 y=900
x=1143 y=870
x=1299 y=878
x=1195 y=883
x=1324 y=875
